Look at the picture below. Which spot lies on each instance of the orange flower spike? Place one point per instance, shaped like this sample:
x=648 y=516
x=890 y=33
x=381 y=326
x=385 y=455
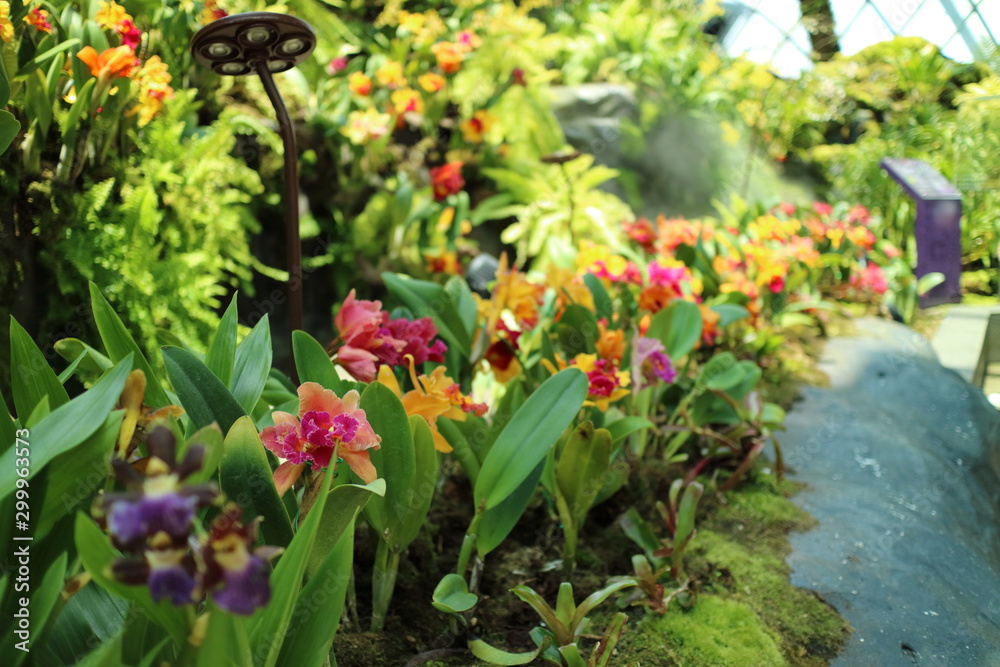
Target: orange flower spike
x=359 y=84
x=39 y=19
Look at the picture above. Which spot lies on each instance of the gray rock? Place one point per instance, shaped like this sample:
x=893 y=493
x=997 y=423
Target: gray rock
x=896 y=454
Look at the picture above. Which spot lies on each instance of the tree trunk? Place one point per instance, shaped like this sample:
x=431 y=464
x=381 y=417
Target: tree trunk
x=817 y=17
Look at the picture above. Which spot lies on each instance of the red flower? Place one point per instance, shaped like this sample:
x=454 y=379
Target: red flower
x=447 y=180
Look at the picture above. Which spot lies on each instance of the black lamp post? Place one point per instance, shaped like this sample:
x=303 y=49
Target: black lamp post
x=266 y=43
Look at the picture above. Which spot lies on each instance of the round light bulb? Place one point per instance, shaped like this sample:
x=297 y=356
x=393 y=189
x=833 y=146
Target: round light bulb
x=232 y=68
x=220 y=50
x=258 y=35
x=279 y=65
x=292 y=46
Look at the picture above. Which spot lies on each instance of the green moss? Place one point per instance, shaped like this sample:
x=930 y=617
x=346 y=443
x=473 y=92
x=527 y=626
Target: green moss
x=717 y=631
x=740 y=552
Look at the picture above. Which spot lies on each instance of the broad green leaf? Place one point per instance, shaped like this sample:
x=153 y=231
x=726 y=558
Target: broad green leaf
x=40 y=412
x=313 y=363
x=625 y=427
x=321 y=604
x=571 y=656
x=248 y=481
x=73 y=477
x=71 y=369
x=772 y=415
x=202 y=395
x=524 y=442
x=97 y=554
x=582 y=465
x=253 y=361
x=67 y=426
x=497 y=522
x=452 y=595
x=343 y=504
x=221 y=355
x=120 y=344
x=606 y=648
x=31 y=376
x=394 y=460
x=421 y=491
x=226 y=643
x=678 y=327
x=272 y=622
x=565 y=605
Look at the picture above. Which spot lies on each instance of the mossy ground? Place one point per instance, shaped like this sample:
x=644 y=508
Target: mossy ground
x=746 y=612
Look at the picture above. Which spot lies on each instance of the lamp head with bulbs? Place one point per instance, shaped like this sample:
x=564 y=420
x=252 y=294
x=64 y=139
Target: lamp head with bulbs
x=235 y=45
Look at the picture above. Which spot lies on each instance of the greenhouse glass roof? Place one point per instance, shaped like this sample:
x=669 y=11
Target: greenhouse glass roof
x=771 y=30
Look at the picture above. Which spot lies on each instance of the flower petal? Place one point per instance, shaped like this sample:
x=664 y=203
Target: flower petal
x=286 y=475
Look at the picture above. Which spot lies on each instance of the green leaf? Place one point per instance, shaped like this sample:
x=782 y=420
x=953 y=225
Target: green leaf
x=73 y=477
x=721 y=372
x=31 y=376
x=577 y=331
x=253 y=361
x=421 y=492
x=603 y=307
x=625 y=427
x=427 y=299
x=497 y=522
x=465 y=303
x=211 y=439
x=678 y=327
x=248 y=481
x=221 y=355
x=685 y=516
x=67 y=426
x=729 y=313
x=43 y=57
x=463 y=451
x=94 y=362
x=343 y=504
x=97 y=554
x=524 y=442
x=321 y=604
x=120 y=344
x=582 y=464
x=637 y=530
x=544 y=611
x=226 y=642
x=313 y=363
x=496 y=656
x=7 y=431
x=43 y=598
x=9 y=127
x=202 y=395
x=394 y=460
x=565 y=605
x=452 y=595
x=270 y=624
x=593 y=600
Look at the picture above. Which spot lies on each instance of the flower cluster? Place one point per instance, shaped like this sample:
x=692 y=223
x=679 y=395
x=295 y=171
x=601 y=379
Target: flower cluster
x=154 y=524
x=121 y=61
x=368 y=338
x=327 y=426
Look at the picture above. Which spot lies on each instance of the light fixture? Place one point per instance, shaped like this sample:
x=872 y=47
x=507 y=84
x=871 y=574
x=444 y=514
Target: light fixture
x=266 y=43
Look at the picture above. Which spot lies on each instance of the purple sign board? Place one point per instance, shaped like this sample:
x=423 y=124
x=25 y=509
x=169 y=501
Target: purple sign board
x=939 y=213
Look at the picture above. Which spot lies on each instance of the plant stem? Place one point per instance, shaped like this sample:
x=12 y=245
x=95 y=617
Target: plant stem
x=383 y=582
x=468 y=542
